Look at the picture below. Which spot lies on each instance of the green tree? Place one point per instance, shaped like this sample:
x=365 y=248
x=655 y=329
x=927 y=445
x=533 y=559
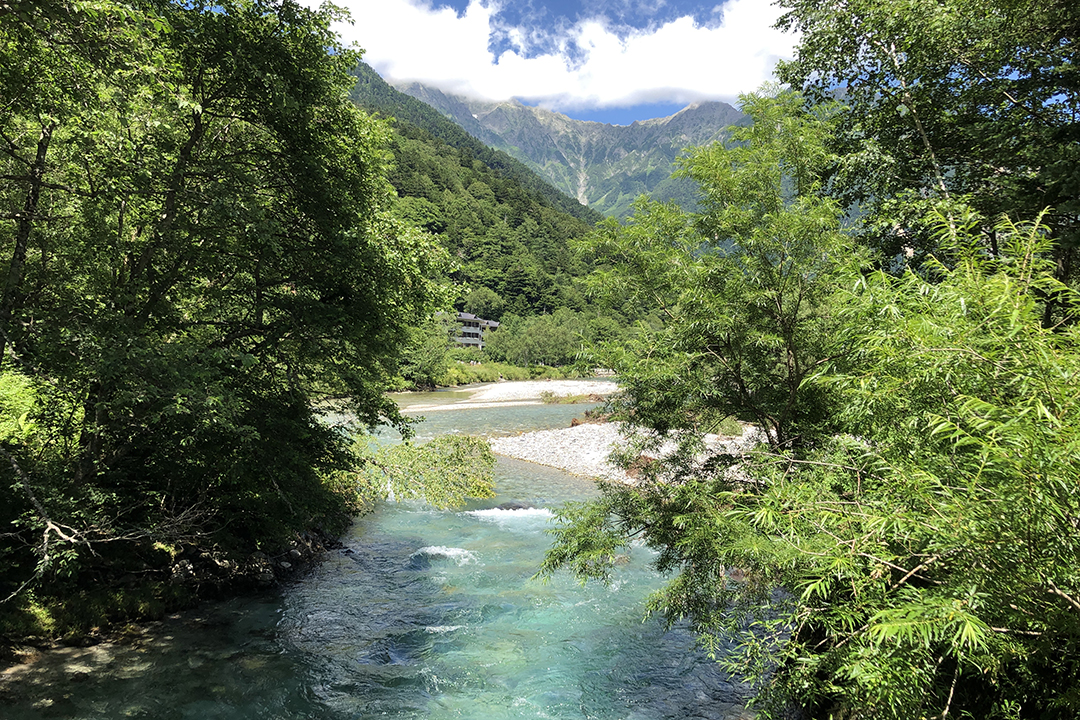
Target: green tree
x=205 y=251
x=554 y=339
x=426 y=356
x=950 y=585
x=911 y=550
x=501 y=344
x=927 y=553
x=964 y=100
x=484 y=302
x=743 y=286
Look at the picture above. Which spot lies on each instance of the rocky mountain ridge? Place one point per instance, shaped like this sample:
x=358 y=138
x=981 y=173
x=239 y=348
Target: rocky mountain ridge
x=604 y=166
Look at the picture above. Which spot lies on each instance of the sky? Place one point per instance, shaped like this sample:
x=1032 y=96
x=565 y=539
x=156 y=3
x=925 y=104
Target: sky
x=610 y=61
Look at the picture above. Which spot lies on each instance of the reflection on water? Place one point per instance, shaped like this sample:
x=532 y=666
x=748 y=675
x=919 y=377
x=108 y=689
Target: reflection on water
x=423 y=614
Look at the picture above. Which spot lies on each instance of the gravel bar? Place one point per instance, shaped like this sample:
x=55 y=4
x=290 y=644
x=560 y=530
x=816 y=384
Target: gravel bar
x=584 y=449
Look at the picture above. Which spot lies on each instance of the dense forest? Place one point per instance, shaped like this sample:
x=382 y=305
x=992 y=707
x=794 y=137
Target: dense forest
x=206 y=240
x=509 y=235
x=881 y=276
x=507 y=230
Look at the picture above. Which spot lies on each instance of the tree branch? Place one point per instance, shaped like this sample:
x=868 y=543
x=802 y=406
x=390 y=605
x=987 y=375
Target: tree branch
x=1055 y=590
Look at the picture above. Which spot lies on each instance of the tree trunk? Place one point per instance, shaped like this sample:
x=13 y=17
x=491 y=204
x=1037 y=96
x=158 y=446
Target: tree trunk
x=11 y=299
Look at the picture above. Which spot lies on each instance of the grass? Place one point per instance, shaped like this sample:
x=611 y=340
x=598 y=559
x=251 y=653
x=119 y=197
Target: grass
x=728 y=426
x=550 y=398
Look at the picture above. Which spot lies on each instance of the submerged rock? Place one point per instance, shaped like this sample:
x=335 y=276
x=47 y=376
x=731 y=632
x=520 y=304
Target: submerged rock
x=515 y=505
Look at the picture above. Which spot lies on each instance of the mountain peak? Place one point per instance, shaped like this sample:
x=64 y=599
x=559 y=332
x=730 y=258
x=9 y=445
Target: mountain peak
x=604 y=166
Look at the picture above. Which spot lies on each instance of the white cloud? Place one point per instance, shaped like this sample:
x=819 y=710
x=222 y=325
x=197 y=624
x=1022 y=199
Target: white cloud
x=675 y=62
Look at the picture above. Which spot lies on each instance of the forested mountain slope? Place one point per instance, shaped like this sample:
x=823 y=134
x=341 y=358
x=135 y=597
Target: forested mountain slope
x=375 y=95
x=507 y=229
x=605 y=166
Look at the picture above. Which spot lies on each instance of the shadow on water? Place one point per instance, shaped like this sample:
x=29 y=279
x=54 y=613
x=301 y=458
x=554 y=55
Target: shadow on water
x=222 y=662
x=422 y=614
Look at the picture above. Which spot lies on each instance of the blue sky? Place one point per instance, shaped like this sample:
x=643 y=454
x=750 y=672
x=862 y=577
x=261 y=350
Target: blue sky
x=605 y=60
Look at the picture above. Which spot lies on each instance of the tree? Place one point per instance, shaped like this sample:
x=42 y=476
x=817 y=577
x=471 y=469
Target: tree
x=425 y=357
x=743 y=286
x=554 y=339
x=927 y=552
x=910 y=551
x=939 y=553
x=962 y=100
x=210 y=253
x=484 y=302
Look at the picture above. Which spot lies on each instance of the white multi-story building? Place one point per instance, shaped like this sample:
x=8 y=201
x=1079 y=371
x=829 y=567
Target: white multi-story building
x=472 y=330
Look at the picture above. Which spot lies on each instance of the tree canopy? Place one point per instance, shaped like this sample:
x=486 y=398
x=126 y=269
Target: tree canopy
x=904 y=545
x=956 y=101
x=198 y=246
x=742 y=286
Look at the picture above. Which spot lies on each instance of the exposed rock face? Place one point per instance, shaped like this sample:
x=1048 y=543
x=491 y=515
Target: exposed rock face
x=604 y=166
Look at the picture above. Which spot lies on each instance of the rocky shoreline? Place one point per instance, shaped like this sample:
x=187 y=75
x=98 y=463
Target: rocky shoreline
x=585 y=449
x=580 y=450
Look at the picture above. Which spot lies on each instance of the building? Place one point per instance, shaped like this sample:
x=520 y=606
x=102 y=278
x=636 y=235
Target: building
x=472 y=330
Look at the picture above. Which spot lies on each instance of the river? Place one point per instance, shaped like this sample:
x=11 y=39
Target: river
x=422 y=614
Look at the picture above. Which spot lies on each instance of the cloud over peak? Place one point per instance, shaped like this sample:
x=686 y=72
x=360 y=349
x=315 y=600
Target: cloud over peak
x=573 y=55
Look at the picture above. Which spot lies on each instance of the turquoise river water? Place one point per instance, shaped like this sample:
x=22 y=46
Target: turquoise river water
x=422 y=614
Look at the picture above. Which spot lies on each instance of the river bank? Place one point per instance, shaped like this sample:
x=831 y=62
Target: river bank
x=582 y=449
x=182 y=574
x=512 y=393
x=585 y=449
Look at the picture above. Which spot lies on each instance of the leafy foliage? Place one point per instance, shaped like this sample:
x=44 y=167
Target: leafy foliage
x=198 y=244
x=911 y=551
x=743 y=286
x=18 y=402
x=961 y=100
x=426 y=356
x=445 y=471
x=556 y=339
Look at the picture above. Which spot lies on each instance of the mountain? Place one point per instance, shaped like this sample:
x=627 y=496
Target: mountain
x=603 y=166
x=508 y=231
x=375 y=95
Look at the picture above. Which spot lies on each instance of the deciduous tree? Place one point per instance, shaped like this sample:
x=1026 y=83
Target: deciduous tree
x=743 y=286
x=198 y=248
x=964 y=100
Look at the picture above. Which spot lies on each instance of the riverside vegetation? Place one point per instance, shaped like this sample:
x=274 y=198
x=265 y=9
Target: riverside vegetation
x=187 y=279
x=200 y=243
x=886 y=285
x=204 y=238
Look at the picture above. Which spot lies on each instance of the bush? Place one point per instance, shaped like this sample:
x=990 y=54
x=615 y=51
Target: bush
x=18 y=402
